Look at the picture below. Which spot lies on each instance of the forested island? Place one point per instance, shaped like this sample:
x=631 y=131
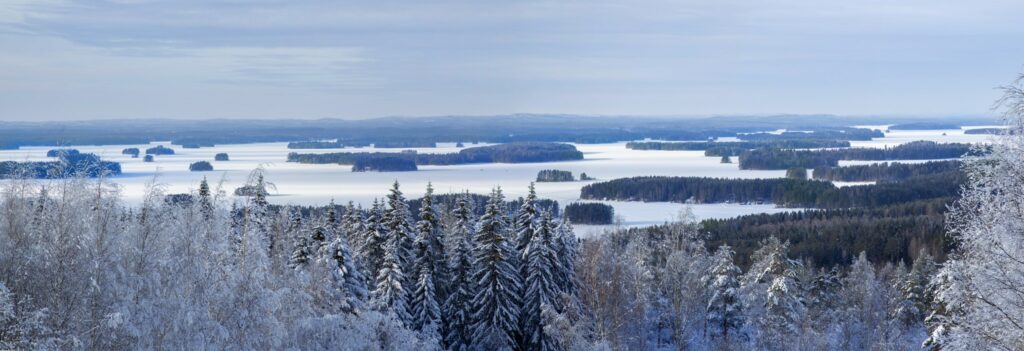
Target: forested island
x=783 y=192
x=554 y=175
x=734 y=148
x=62 y=152
x=68 y=164
x=817 y=133
x=784 y=159
x=221 y=156
x=885 y=171
x=924 y=126
x=201 y=166
x=383 y=163
x=133 y=151
x=502 y=153
x=590 y=213
x=159 y=150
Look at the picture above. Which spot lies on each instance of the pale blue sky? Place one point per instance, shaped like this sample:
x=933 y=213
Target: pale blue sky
x=71 y=59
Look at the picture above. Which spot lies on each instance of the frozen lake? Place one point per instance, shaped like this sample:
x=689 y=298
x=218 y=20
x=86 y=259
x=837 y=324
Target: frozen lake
x=306 y=184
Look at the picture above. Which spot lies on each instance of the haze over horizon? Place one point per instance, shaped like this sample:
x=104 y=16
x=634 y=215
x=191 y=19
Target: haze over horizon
x=85 y=60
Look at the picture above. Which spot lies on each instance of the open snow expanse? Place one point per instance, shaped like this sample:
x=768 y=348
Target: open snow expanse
x=307 y=184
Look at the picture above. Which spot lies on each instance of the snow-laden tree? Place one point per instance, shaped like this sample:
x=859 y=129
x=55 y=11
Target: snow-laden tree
x=775 y=286
x=915 y=300
x=372 y=249
x=541 y=291
x=205 y=200
x=524 y=223
x=348 y=286
x=496 y=302
x=353 y=226
x=987 y=223
x=425 y=310
x=302 y=249
x=428 y=229
x=458 y=312
x=724 y=311
x=391 y=293
x=567 y=249
x=397 y=222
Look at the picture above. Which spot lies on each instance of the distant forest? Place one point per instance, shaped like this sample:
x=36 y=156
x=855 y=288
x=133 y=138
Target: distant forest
x=735 y=148
x=492 y=129
x=70 y=163
x=783 y=192
x=885 y=171
x=784 y=159
x=503 y=153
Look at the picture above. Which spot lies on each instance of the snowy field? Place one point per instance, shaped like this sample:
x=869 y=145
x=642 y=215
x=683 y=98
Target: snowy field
x=305 y=184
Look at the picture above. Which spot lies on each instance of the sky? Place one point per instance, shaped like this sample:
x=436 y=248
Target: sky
x=198 y=59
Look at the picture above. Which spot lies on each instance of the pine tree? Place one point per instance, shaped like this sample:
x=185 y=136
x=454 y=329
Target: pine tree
x=372 y=250
x=457 y=307
x=348 y=282
x=391 y=293
x=496 y=303
x=541 y=290
x=783 y=302
x=724 y=310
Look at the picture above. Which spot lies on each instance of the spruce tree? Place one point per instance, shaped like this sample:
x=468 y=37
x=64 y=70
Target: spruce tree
x=541 y=291
x=724 y=308
x=372 y=250
x=426 y=313
x=916 y=300
x=205 y=200
x=458 y=310
x=567 y=249
x=429 y=227
x=391 y=293
x=496 y=302
x=301 y=250
x=348 y=282
x=353 y=226
x=784 y=305
x=397 y=224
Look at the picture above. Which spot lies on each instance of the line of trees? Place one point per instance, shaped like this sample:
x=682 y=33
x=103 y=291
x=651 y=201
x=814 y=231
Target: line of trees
x=885 y=171
x=735 y=148
x=503 y=153
x=554 y=175
x=918 y=150
x=817 y=134
x=785 y=192
x=590 y=213
x=383 y=164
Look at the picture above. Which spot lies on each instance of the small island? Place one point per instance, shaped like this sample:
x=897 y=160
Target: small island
x=223 y=156
x=61 y=151
x=133 y=151
x=590 y=213
x=554 y=175
x=585 y=177
x=148 y=158
x=159 y=150
x=201 y=166
x=796 y=173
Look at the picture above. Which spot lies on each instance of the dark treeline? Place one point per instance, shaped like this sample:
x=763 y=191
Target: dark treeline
x=222 y=156
x=783 y=192
x=503 y=153
x=67 y=165
x=400 y=144
x=892 y=233
x=493 y=129
x=316 y=145
x=590 y=213
x=383 y=163
x=924 y=126
x=884 y=171
x=846 y=133
x=993 y=131
x=783 y=159
x=133 y=151
x=734 y=148
x=554 y=175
